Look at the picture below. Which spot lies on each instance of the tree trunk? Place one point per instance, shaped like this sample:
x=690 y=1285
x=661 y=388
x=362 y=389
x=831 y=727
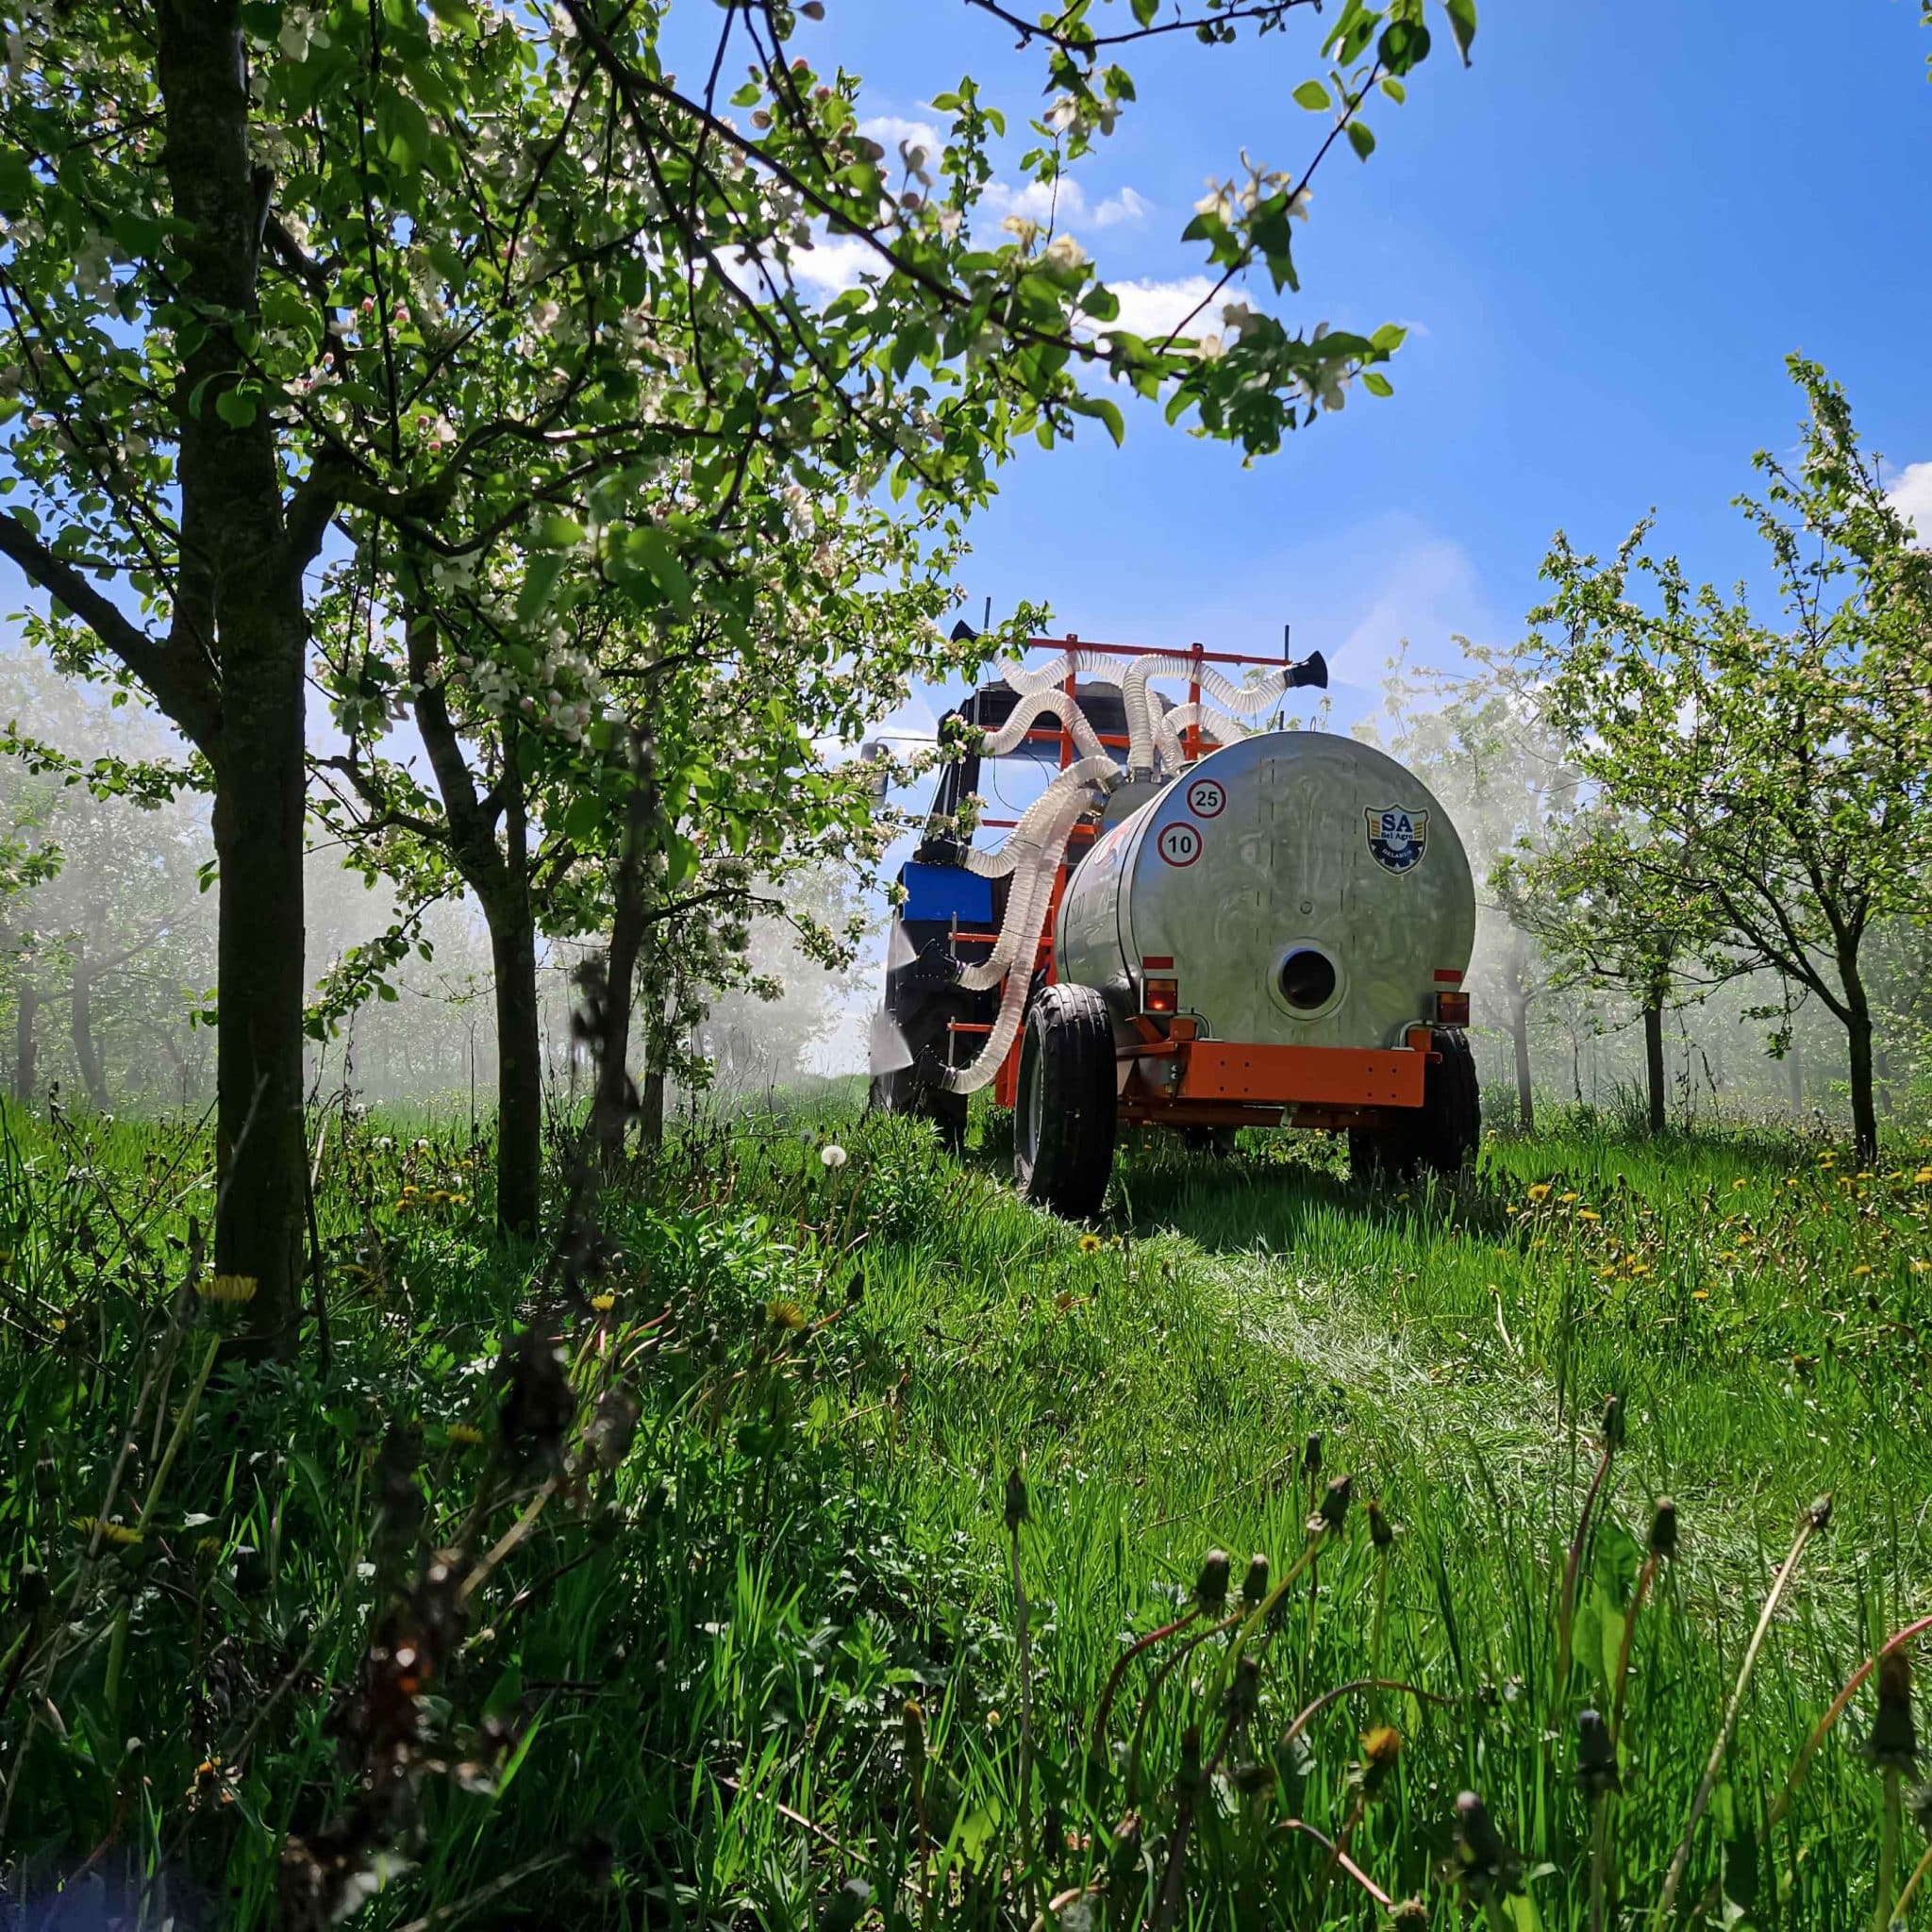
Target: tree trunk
x=519 y=1069
x=238 y=602
x=1518 y=1031
x=1858 y=1041
x=616 y=1097
x=1654 y=1067
x=87 y=1052
x=25 y=1044
x=259 y=811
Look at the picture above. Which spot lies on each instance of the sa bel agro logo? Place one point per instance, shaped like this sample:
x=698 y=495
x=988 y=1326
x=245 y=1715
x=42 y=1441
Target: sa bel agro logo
x=1396 y=838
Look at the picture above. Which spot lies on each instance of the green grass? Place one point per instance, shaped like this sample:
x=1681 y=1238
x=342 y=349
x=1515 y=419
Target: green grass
x=675 y=1689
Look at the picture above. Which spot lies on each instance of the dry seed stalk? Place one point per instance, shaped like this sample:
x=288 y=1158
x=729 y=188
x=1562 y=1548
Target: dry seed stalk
x=1813 y=1520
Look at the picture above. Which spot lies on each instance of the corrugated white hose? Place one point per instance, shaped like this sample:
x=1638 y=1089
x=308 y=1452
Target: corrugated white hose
x=1095 y=664
x=1006 y=1025
x=1242 y=701
x=1170 y=725
x=1076 y=777
x=1013 y=732
x=1033 y=875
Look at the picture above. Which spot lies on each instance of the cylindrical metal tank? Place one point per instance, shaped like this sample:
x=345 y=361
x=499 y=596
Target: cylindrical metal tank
x=1299 y=888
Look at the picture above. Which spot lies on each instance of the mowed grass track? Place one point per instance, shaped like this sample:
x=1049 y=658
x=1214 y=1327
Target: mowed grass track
x=705 y=1666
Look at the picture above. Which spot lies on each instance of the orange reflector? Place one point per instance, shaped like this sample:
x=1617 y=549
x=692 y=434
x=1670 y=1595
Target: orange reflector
x=1160 y=996
x=1452 y=1009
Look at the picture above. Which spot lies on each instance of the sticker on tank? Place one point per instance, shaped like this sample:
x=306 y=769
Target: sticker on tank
x=1397 y=837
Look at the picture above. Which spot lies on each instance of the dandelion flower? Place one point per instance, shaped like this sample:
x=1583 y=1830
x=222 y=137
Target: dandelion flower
x=1588 y=1214
x=603 y=1303
x=1700 y=1294
x=833 y=1156
x=1571 y=1199
x=1924 y=1178
x=116 y=1533
x=230 y=1289
x=1091 y=1245
x=784 y=1313
x=465 y=1436
x=1382 y=1745
x=1861 y=1270
x=1540 y=1192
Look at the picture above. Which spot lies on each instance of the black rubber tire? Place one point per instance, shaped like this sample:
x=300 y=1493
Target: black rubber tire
x=1440 y=1135
x=1065 y=1115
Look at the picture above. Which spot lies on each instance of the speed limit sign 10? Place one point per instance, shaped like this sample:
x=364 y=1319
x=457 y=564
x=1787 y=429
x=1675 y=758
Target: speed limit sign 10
x=1206 y=798
x=1181 y=845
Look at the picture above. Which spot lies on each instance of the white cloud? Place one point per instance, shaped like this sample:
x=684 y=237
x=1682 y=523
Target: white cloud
x=890 y=130
x=833 y=264
x=1157 y=308
x=1125 y=206
x=1911 y=496
x=1064 y=202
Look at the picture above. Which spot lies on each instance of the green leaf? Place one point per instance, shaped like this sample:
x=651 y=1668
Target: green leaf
x=16 y=183
x=1360 y=138
x=585 y=819
x=1144 y=11
x=1395 y=89
x=540 y=580
x=1404 y=44
x=1462 y=24
x=658 y=554
x=559 y=533
x=1376 y=383
x=1312 y=95
x=234 y=407
x=403 y=128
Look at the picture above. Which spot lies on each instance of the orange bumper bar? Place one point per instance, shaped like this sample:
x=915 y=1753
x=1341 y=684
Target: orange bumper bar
x=1305 y=1076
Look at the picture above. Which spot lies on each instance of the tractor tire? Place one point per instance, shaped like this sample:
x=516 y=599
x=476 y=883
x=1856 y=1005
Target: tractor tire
x=1440 y=1135
x=1064 y=1115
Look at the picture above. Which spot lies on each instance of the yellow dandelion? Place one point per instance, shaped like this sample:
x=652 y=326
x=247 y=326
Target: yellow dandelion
x=1861 y=1270
x=1091 y=1245
x=1609 y=1270
x=1736 y=1183
x=1923 y=1178
x=1571 y=1199
x=230 y=1289
x=1920 y=1267
x=1588 y=1214
x=116 y=1533
x=784 y=1313
x=465 y=1436
x=603 y=1303
x=1382 y=1745
x=1700 y=1294
x=1540 y=1192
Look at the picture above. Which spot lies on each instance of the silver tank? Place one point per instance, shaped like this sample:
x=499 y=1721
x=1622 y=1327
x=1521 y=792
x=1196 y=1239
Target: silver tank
x=1308 y=889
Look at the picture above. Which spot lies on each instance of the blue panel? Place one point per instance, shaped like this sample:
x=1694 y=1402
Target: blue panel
x=941 y=892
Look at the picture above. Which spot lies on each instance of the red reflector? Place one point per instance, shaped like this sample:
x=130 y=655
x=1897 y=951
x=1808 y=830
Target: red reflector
x=1447 y=976
x=1452 y=1009
x=1153 y=962
x=1160 y=996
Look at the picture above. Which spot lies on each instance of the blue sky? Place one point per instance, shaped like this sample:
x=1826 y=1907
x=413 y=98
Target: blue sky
x=1606 y=234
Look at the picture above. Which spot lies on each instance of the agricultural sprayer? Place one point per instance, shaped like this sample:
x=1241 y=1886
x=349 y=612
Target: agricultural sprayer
x=1201 y=923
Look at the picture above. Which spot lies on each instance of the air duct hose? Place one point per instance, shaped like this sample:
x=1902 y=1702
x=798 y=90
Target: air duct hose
x=1095 y=664
x=1075 y=779
x=1242 y=701
x=1207 y=718
x=1046 y=843
x=1012 y=734
x=1035 y=848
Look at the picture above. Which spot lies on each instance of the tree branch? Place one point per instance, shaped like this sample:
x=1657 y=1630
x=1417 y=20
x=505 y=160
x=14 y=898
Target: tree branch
x=178 y=686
